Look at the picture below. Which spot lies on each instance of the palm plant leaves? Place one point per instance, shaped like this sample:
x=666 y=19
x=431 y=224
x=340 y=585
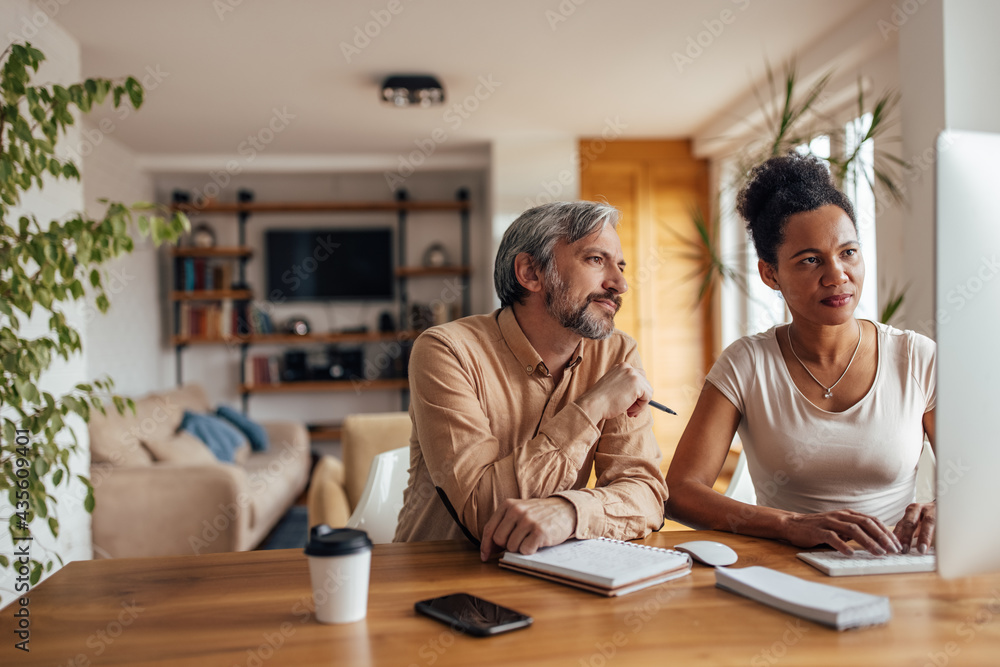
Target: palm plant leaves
x=892 y=306
x=791 y=121
x=703 y=249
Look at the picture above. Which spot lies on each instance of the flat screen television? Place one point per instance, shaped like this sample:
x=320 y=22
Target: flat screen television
x=329 y=264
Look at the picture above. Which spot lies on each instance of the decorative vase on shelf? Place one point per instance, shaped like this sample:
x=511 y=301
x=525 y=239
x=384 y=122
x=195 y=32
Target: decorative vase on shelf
x=436 y=256
x=203 y=236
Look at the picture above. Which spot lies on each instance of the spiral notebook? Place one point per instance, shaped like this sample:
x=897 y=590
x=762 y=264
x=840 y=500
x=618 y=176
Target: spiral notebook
x=603 y=566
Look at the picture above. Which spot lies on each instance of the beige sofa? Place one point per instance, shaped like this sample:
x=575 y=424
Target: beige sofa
x=159 y=492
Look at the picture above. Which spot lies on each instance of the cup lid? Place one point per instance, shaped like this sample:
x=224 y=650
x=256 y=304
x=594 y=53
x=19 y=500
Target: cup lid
x=327 y=541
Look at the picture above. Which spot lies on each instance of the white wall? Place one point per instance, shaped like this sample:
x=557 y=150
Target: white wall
x=526 y=172
x=126 y=342
x=24 y=21
x=948 y=58
x=971 y=62
x=921 y=64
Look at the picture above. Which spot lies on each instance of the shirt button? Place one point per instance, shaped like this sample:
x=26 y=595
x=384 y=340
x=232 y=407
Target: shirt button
x=529 y=368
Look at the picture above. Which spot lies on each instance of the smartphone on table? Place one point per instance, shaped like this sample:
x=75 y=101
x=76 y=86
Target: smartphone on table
x=473 y=615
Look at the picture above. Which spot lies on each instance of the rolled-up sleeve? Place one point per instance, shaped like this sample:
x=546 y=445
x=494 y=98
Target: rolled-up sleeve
x=627 y=499
x=462 y=453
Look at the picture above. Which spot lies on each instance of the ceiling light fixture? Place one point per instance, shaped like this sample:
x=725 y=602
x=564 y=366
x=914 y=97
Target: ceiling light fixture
x=403 y=90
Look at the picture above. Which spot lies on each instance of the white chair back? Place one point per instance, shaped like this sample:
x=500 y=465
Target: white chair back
x=926 y=474
x=741 y=486
x=378 y=509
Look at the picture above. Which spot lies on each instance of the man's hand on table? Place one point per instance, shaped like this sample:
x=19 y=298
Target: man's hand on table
x=525 y=526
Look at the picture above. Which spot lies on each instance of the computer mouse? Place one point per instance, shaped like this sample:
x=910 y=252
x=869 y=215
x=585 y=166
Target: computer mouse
x=709 y=553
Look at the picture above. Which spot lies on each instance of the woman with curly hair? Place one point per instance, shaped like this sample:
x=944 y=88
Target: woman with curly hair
x=832 y=410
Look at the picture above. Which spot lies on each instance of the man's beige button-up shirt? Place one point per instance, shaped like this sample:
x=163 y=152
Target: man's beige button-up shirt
x=489 y=423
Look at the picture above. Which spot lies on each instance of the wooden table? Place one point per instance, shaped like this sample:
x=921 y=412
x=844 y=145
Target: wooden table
x=252 y=609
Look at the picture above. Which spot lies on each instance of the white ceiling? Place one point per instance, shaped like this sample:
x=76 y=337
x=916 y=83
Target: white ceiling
x=560 y=67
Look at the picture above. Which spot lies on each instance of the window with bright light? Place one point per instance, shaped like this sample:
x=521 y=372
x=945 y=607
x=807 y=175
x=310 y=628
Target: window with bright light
x=858 y=187
x=754 y=307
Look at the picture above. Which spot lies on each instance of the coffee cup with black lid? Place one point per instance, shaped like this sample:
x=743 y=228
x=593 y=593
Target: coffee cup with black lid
x=339 y=565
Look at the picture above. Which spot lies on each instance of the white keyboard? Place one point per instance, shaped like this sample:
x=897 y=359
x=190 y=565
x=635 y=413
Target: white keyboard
x=837 y=564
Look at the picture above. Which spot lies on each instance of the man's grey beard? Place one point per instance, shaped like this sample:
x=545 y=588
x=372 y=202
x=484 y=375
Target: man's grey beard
x=580 y=320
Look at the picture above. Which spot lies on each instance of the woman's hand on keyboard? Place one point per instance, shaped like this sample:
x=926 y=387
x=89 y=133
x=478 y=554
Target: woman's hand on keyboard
x=918 y=521
x=837 y=528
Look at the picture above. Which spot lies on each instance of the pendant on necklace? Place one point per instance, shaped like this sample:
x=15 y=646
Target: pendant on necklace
x=828 y=394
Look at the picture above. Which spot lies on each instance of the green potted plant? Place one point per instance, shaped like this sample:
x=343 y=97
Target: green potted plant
x=791 y=121
x=46 y=266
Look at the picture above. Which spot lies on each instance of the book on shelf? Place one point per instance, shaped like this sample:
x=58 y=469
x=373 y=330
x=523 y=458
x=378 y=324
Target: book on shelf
x=226 y=318
x=262 y=369
x=199 y=273
x=208 y=321
x=260 y=320
x=221 y=319
x=187 y=283
x=183 y=318
x=603 y=566
x=836 y=607
x=241 y=318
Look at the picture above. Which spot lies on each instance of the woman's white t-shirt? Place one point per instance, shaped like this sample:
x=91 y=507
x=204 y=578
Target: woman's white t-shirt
x=802 y=458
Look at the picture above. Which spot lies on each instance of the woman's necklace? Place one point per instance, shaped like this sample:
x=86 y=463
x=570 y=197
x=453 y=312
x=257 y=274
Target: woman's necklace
x=829 y=390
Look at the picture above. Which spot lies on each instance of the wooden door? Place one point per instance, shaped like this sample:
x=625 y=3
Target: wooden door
x=656 y=185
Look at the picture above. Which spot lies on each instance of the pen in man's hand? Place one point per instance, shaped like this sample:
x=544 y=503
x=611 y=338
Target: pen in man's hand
x=661 y=406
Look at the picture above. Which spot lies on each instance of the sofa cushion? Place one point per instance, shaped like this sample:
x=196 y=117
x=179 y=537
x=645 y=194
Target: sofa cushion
x=242 y=454
x=181 y=447
x=116 y=439
x=254 y=432
x=190 y=397
x=127 y=452
x=222 y=438
x=274 y=479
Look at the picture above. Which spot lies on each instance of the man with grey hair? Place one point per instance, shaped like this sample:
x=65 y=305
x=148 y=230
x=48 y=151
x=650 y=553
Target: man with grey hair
x=512 y=410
